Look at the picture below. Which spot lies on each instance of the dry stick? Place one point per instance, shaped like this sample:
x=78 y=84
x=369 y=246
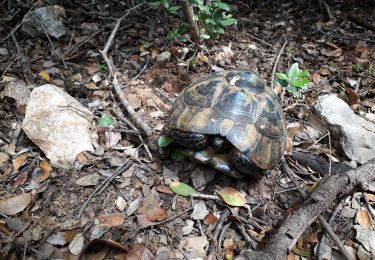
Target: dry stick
x=324 y=195
x=244 y=234
x=116 y=86
x=277 y=61
x=105 y=184
x=222 y=233
x=368 y=205
x=123 y=118
x=24 y=62
x=220 y=223
x=50 y=42
x=10 y=64
x=324 y=223
x=260 y=40
x=330 y=221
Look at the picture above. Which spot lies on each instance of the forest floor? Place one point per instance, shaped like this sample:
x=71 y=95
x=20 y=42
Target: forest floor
x=137 y=211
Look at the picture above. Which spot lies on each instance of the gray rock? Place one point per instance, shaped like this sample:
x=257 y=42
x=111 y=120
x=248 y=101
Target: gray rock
x=45 y=20
x=352 y=133
x=89 y=180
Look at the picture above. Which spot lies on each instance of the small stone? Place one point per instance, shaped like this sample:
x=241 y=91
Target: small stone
x=96 y=78
x=134 y=101
x=120 y=203
x=164 y=56
x=89 y=180
x=200 y=211
x=76 y=246
x=4 y=52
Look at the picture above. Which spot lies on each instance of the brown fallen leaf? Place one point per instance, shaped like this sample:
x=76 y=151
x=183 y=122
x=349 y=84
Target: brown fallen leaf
x=351 y=96
x=113 y=220
x=164 y=189
x=19 y=161
x=138 y=252
x=46 y=168
x=364 y=219
x=371 y=197
x=16 y=204
x=316 y=78
x=334 y=52
x=21 y=179
x=210 y=219
x=156 y=214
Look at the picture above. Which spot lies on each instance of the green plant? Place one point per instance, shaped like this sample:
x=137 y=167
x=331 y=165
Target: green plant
x=295 y=80
x=102 y=67
x=358 y=67
x=212 y=18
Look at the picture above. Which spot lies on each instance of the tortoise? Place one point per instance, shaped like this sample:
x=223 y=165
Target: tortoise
x=230 y=121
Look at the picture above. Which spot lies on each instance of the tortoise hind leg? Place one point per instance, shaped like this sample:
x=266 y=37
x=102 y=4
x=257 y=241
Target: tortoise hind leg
x=243 y=164
x=190 y=140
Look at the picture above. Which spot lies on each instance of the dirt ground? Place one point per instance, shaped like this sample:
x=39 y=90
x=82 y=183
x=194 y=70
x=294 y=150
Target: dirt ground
x=334 y=51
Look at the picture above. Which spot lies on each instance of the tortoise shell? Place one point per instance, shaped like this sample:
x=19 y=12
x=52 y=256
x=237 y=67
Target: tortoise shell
x=238 y=106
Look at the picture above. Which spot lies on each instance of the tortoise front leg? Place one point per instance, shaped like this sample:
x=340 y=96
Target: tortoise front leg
x=242 y=163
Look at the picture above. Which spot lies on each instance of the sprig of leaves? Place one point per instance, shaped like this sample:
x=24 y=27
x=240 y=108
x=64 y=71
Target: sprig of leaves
x=295 y=80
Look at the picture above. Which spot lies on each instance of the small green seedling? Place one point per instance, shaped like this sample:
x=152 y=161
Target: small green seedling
x=106 y=120
x=177 y=155
x=295 y=80
x=164 y=141
x=102 y=67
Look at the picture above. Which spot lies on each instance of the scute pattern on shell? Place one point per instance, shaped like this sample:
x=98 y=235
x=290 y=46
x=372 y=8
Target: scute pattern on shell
x=238 y=105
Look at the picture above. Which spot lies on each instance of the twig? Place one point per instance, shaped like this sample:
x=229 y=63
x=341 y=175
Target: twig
x=324 y=223
x=220 y=223
x=104 y=185
x=277 y=61
x=361 y=22
x=222 y=233
x=251 y=242
x=50 y=41
x=83 y=41
x=260 y=40
x=143 y=69
x=116 y=86
x=327 y=11
x=330 y=221
x=23 y=20
x=160 y=222
x=205 y=196
x=10 y=64
x=24 y=62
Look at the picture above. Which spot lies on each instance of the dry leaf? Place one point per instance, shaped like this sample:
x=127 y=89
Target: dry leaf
x=352 y=97
x=138 y=252
x=46 y=168
x=371 y=197
x=164 y=189
x=336 y=52
x=20 y=180
x=16 y=204
x=210 y=219
x=114 y=220
x=203 y=58
x=19 y=161
x=156 y=214
x=44 y=75
x=316 y=78
x=364 y=219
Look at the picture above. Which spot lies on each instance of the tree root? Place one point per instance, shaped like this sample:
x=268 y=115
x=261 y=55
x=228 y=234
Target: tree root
x=326 y=192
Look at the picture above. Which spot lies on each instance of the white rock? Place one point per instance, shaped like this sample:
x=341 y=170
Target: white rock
x=76 y=246
x=96 y=78
x=355 y=135
x=120 y=203
x=200 y=211
x=59 y=125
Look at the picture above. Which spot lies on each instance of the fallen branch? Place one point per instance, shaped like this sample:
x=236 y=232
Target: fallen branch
x=326 y=192
x=277 y=61
x=116 y=86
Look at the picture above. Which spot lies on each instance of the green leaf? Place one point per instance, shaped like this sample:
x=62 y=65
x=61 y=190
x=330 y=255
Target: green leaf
x=182 y=188
x=229 y=21
x=105 y=120
x=293 y=90
x=177 y=155
x=173 y=9
x=205 y=36
x=232 y=197
x=219 y=29
x=299 y=82
x=223 y=6
x=293 y=71
x=282 y=76
x=210 y=21
x=164 y=141
x=303 y=74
